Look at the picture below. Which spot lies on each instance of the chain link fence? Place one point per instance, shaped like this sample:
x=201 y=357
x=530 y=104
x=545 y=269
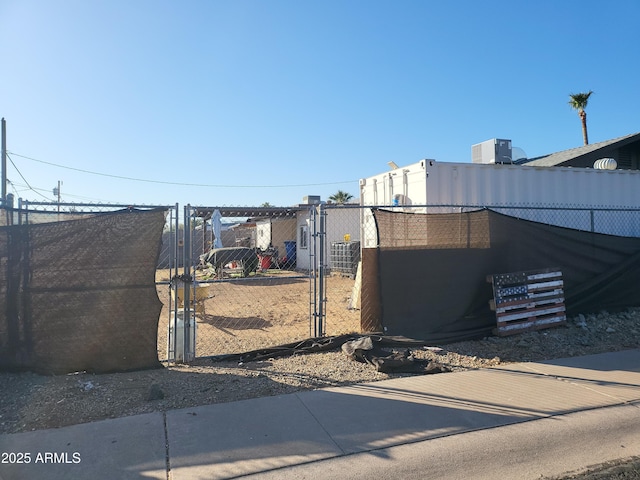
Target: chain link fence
x=236 y=279
x=79 y=289
x=34 y=213
x=249 y=286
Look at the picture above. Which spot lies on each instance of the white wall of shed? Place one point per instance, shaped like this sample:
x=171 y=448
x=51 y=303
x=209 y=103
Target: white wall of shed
x=428 y=183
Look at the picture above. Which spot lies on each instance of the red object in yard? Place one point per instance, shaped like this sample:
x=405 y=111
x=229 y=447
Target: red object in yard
x=265 y=262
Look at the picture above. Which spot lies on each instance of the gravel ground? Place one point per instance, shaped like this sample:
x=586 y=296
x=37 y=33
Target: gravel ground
x=626 y=469
x=32 y=402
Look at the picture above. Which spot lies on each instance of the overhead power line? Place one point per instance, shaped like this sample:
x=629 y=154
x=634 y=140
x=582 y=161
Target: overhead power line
x=66 y=195
x=120 y=177
x=25 y=180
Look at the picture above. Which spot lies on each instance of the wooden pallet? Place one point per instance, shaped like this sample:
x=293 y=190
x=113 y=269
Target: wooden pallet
x=529 y=300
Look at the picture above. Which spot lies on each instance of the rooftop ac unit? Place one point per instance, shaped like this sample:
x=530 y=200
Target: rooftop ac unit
x=311 y=200
x=495 y=150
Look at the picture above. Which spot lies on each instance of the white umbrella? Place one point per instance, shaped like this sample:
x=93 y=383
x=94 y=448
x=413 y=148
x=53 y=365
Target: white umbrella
x=216 y=221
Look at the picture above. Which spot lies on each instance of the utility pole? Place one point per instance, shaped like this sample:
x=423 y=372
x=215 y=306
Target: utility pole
x=4 y=162
x=56 y=191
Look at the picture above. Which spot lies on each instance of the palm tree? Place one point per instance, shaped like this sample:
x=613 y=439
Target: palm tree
x=340 y=197
x=579 y=102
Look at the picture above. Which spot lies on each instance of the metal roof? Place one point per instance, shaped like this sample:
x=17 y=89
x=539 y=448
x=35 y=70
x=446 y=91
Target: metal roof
x=250 y=212
x=559 y=158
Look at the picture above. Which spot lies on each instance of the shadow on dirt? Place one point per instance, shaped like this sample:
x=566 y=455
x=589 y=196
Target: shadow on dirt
x=236 y=323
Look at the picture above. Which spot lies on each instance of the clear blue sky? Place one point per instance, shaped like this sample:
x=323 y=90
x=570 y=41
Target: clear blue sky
x=268 y=101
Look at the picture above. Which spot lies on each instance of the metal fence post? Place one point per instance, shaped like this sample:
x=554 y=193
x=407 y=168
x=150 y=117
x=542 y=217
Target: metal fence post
x=173 y=302
x=20 y=211
x=321 y=272
x=188 y=351
x=174 y=264
x=317 y=269
x=313 y=283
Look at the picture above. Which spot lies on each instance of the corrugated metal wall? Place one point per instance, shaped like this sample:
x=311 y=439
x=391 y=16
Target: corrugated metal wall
x=435 y=183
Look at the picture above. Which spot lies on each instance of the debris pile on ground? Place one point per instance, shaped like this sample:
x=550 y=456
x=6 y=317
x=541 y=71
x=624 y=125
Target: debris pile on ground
x=386 y=360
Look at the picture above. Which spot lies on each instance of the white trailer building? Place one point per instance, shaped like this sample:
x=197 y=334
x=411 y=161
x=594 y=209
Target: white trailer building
x=545 y=194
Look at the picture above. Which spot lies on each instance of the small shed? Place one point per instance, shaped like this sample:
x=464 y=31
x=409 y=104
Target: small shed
x=275 y=232
x=342 y=232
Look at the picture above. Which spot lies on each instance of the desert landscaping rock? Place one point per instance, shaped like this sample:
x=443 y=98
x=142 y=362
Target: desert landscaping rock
x=32 y=402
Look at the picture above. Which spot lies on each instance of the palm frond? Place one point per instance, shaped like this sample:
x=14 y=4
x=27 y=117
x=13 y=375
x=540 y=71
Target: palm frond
x=341 y=197
x=578 y=101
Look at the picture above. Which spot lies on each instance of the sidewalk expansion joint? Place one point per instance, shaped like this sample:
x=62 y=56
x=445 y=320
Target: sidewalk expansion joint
x=167 y=457
x=320 y=424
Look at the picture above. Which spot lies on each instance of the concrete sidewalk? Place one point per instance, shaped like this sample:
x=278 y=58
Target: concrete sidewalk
x=260 y=435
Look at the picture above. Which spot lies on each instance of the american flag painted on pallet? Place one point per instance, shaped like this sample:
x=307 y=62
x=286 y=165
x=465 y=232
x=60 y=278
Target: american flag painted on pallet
x=527 y=300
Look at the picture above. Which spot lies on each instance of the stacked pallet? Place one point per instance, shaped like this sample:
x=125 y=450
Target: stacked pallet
x=529 y=300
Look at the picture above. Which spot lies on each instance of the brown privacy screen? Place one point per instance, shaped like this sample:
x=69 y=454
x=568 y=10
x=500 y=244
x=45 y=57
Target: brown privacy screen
x=80 y=295
x=427 y=279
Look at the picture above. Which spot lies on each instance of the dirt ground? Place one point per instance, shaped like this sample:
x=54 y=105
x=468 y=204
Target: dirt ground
x=239 y=315
x=31 y=402
x=271 y=308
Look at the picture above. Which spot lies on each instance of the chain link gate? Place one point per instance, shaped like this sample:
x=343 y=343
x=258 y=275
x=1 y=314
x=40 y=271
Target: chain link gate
x=249 y=282
x=180 y=328
x=339 y=268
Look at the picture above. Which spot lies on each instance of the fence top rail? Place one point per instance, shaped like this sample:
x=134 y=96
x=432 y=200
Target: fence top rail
x=27 y=203
x=502 y=207
x=241 y=212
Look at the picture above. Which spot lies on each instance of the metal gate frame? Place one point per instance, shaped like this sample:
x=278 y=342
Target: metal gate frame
x=182 y=346
x=181 y=340
x=319 y=269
